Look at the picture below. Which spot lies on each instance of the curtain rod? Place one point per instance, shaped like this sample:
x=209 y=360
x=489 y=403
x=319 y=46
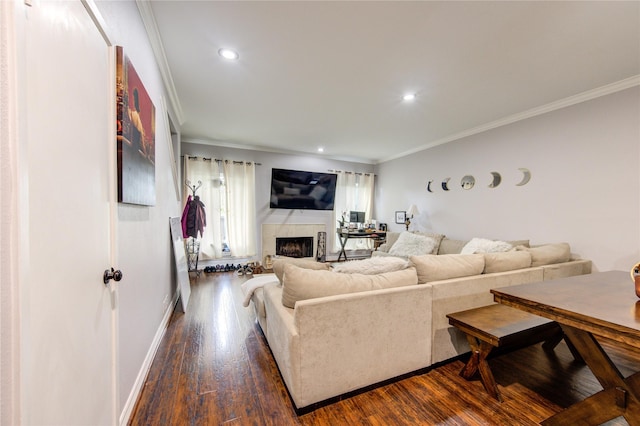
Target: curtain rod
x=193 y=157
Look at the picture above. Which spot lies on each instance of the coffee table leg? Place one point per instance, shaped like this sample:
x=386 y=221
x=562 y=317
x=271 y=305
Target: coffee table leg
x=478 y=363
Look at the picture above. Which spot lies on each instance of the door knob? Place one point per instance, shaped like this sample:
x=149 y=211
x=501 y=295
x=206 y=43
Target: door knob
x=111 y=274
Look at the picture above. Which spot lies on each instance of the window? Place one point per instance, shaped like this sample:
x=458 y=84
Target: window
x=354 y=192
x=227 y=192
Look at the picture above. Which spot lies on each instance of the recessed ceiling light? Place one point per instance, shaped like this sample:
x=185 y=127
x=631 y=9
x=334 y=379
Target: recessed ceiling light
x=228 y=54
x=409 y=97
x=320 y=149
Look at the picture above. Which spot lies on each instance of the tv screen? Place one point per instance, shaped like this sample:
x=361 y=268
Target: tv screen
x=294 y=189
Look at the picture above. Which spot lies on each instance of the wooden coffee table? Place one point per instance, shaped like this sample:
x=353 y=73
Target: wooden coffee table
x=585 y=306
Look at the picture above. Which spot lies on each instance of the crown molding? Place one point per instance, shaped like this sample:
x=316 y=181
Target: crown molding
x=146 y=13
x=553 y=106
x=262 y=148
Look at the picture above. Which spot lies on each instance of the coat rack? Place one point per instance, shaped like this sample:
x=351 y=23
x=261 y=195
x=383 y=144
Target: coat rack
x=192 y=244
x=193 y=188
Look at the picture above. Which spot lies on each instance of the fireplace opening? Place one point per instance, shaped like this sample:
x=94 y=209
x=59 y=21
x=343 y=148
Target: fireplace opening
x=294 y=246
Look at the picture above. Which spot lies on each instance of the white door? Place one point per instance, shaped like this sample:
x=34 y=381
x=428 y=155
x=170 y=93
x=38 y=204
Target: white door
x=68 y=314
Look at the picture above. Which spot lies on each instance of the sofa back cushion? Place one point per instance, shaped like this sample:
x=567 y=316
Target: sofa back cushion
x=302 y=284
x=444 y=266
x=506 y=261
x=549 y=254
x=450 y=246
x=279 y=263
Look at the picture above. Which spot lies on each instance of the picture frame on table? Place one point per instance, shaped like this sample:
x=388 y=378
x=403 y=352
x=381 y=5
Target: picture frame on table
x=401 y=216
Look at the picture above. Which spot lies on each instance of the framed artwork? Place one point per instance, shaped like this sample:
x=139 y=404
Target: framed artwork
x=401 y=217
x=136 y=127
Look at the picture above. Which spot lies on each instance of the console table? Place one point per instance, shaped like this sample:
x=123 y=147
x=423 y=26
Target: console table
x=344 y=236
x=600 y=304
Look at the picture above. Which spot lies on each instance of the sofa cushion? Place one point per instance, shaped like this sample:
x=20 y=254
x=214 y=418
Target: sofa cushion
x=549 y=254
x=449 y=246
x=410 y=244
x=303 y=284
x=372 y=266
x=506 y=261
x=278 y=265
x=441 y=267
x=483 y=245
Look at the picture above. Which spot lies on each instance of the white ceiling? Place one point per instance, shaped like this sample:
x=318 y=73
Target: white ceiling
x=332 y=73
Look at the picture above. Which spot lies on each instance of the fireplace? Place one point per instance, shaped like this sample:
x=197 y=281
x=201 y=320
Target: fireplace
x=294 y=246
x=271 y=231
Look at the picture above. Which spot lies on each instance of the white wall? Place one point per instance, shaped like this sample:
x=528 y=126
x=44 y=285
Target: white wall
x=145 y=255
x=584 y=189
x=269 y=160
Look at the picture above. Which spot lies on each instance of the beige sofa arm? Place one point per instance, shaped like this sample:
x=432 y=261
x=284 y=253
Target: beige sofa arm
x=349 y=341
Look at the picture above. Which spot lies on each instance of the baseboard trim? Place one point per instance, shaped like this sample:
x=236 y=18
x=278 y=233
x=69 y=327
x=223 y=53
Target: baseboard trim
x=130 y=405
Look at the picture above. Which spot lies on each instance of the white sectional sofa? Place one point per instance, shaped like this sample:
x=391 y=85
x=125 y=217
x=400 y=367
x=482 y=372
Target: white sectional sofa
x=333 y=332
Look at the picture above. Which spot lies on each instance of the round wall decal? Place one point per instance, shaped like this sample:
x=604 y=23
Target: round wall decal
x=496 y=179
x=467 y=182
x=445 y=184
x=526 y=176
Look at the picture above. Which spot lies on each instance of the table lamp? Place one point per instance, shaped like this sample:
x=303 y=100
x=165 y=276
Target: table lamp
x=412 y=211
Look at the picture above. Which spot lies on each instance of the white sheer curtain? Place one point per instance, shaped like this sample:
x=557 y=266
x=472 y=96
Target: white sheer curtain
x=240 y=178
x=354 y=192
x=206 y=171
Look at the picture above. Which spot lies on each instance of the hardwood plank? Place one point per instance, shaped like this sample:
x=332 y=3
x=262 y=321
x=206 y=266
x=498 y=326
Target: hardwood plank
x=214 y=367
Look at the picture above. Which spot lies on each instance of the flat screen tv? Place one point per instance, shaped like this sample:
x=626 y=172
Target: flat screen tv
x=294 y=189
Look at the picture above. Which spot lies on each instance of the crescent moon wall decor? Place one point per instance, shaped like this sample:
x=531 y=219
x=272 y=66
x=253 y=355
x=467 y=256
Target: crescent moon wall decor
x=445 y=184
x=497 y=178
x=429 y=186
x=526 y=176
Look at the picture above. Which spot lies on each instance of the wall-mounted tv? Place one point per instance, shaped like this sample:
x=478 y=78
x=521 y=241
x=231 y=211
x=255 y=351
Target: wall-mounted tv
x=294 y=189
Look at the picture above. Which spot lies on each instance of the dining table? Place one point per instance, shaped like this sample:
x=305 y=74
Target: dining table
x=587 y=308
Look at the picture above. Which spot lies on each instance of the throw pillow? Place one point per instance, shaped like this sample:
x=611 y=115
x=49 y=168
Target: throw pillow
x=372 y=266
x=483 y=245
x=278 y=265
x=444 y=266
x=436 y=237
x=410 y=244
x=516 y=243
x=302 y=284
x=549 y=254
x=506 y=261
x=390 y=240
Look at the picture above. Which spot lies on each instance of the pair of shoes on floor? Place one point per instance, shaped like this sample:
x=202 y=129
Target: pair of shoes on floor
x=244 y=270
x=220 y=268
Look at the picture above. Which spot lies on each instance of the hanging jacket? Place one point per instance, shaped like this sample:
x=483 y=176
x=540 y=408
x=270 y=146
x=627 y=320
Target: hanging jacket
x=193 y=218
x=201 y=216
x=183 y=221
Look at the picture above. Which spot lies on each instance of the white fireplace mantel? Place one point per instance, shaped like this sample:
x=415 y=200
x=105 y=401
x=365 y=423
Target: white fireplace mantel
x=272 y=231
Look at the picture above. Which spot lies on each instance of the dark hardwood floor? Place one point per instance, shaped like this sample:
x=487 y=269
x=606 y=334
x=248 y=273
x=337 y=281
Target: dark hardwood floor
x=214 y=367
